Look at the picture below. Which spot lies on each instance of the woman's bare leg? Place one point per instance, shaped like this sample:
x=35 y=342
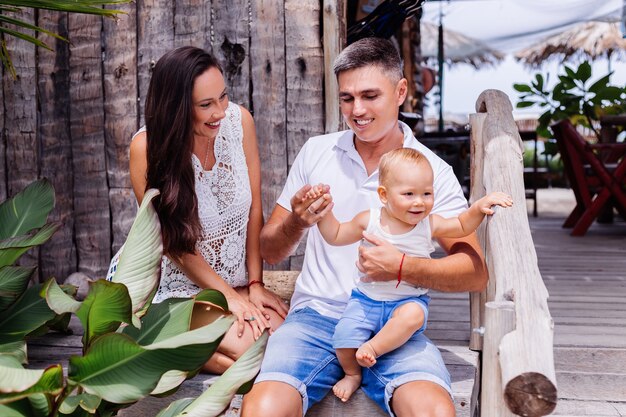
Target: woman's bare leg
x=232 y=346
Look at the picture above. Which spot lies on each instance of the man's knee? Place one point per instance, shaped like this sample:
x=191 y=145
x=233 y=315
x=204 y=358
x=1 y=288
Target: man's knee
x=272 y=399
x=422 y=399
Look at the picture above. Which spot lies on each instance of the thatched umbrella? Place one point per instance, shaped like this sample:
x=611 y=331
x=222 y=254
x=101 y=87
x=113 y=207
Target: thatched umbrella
x=588 y=40
x=444 y=45
x=457 y=47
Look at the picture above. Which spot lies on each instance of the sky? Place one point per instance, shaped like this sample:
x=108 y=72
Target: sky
x=511 y=25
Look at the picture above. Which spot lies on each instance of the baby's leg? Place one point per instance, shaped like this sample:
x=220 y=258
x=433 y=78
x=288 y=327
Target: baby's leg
x=404 y=322
x=346 y=386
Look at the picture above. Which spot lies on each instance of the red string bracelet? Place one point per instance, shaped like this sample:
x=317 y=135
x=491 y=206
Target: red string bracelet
x=255 y=281
x=400 y=270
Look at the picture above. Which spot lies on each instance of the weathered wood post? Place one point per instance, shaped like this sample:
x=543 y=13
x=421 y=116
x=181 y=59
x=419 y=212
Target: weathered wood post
x=334 y=15
x=525 y=354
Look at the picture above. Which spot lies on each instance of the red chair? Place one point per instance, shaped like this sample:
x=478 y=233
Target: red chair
x=597 y=175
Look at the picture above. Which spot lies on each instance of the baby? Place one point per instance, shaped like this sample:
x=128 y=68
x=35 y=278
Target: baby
x=404 y=220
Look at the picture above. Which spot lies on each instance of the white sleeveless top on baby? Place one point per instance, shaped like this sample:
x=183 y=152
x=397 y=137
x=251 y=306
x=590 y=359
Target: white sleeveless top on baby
x=224 y=200
x=417 y=242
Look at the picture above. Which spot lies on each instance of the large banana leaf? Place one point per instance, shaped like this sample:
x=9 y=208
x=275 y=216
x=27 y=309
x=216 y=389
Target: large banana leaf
x=119 y=370
x=28 y=209
x=13 y=247
x=18 y=382
x=218 y=396
x=13 y=282
x=106 y=306
x=26 y=315
x=87 y=402
x=34 y=406
x=140 y=260
x=15 y=349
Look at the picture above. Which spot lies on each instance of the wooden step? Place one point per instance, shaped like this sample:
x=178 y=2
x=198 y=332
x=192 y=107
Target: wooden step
x=576 y=408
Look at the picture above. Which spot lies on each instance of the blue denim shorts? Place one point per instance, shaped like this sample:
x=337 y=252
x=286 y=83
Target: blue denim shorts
x=300 y=353
x=364 y=317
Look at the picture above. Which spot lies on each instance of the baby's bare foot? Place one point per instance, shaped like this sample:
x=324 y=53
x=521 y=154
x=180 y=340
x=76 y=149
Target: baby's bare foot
x=366 y=355
x=346 y=387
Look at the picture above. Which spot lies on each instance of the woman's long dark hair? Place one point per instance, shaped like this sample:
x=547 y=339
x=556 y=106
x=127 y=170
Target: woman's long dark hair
x=169 y=121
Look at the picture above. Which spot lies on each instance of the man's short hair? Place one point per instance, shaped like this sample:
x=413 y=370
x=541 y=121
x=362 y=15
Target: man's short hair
x=391 y=159
x=366 y=52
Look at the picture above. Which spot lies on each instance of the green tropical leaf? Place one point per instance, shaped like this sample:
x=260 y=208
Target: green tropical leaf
x=584 y=71
x=140 y=260
x=570 y=72
x=21 y=408
x=609 y=93
x=218 y=396
x=175 y=408
x=15 y=349
x=18 y=382
x=523 y=104
x=87 y=402
x=600 y=84
x=169 y=381
x=106 y=306
x=522 y=88
x=74 y=6
x=120 y=370
x=162 y=321
x=27 y=210
x=12 y=248
x=539 y=80
x=13 y=282
x=25 y=316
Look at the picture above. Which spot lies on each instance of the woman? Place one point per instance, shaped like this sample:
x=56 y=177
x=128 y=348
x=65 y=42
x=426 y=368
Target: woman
x=200 y=152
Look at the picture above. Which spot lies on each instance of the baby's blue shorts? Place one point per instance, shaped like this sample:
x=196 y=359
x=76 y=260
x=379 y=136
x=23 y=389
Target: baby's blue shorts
x=364 y=317
x=300 y=353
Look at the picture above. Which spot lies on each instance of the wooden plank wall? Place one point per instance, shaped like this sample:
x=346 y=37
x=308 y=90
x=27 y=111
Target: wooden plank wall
x=71 y=112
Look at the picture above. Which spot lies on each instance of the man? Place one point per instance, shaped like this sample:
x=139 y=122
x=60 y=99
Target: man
x=300 y=364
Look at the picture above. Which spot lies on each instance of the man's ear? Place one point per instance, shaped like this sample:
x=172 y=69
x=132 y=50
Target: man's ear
x=382 y=194
x=402 y=90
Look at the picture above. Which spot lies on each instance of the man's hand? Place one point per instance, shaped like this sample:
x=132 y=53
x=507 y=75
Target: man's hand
x=379 y=262
x=309 y=205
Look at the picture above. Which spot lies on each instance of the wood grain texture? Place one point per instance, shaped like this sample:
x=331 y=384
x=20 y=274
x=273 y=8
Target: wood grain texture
x=121 y=116
x=192 y=23
x=334 y=39
x=91 y=195
x=525 y=355
x=230 y=39
x=58 y=255
x=155 y=36
x=22 y=147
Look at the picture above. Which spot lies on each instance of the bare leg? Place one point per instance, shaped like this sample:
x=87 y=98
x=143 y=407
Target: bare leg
x=232 y=346
x=272 y=399
x=405 y=320
x=351 y=381
x=422 y=398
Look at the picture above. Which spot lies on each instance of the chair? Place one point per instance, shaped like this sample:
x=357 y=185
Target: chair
x=597 y=175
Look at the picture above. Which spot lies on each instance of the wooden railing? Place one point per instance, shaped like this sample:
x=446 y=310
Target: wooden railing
x=518 y=362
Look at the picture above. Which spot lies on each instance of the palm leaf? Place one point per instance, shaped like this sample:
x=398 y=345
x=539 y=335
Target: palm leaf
x=18 y=382
x=27 y=210
x=12 y=248
x=218 y=396
x=15 y=349
x=87 y=402
x=13 y=282
x=119 y=370
x=72 y=6
x=26 y=315
x=140 y=260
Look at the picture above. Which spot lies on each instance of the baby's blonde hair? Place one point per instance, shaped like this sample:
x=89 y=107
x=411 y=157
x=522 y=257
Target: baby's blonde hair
x=391 y=159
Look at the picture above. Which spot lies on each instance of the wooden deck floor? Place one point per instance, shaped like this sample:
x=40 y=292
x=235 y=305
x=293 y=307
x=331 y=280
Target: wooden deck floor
x=586 y=279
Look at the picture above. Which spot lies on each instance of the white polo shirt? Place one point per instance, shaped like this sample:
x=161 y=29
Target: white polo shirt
x=329 y=273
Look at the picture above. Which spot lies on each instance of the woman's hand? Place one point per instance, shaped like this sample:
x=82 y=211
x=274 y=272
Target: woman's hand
x=262 y=298
x=310 y=204
x=247 y=312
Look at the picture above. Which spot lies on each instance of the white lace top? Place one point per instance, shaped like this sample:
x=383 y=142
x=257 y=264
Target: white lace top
x=224 y=200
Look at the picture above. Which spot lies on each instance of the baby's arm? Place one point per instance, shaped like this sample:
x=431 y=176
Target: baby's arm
x=470 y=219
x=335 y=233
